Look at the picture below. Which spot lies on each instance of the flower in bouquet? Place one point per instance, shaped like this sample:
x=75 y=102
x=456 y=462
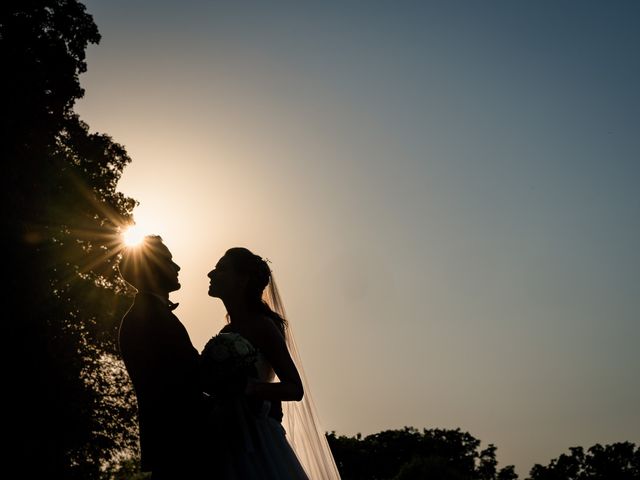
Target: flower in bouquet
x=227 y=360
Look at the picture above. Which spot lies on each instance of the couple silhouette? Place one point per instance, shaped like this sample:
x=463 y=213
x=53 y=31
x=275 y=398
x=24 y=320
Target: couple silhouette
x=200 y=416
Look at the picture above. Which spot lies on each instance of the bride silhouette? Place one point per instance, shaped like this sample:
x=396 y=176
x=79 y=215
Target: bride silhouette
x=262 y=403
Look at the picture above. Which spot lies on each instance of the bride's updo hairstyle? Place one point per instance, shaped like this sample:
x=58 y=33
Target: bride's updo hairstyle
x=260 y=276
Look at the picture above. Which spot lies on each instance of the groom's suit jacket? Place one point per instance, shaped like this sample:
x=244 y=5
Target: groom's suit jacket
x=163 y=366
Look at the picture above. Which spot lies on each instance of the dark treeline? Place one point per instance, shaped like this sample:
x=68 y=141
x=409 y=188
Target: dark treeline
x=409 y=453
x=70 y=404
x=438 y=454
x=69 y=400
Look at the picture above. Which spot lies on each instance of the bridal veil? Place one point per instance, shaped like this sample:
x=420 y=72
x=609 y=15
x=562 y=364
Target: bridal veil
x=300 y=420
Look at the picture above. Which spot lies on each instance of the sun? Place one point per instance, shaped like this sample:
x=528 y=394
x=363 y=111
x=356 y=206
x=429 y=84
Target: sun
x=146 y=222
x=133 y=235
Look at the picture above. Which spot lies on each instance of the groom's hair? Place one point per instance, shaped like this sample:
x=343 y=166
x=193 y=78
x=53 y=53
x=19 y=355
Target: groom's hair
x=138 y=263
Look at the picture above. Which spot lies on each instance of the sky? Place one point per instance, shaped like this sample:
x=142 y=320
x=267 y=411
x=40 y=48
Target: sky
x=447 y=193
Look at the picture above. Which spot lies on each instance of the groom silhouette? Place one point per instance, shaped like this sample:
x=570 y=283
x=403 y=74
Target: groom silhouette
x=162 y=364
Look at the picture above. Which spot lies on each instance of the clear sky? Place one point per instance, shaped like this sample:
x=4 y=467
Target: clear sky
x=447 y=191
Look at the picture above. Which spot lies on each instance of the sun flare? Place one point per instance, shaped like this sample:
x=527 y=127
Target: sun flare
x=147 y=222
x=133 y=235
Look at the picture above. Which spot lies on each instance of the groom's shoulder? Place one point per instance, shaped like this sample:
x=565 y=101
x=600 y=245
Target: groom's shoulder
x=142 y=310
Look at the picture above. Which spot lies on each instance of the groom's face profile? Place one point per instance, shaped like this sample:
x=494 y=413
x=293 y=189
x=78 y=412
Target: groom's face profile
x=166 y=269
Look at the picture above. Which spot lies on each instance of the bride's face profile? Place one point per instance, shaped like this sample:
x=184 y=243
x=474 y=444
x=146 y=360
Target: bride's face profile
x=226 y=280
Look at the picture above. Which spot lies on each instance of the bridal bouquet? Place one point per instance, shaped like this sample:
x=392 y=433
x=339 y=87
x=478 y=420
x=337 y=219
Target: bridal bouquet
x=227 y=360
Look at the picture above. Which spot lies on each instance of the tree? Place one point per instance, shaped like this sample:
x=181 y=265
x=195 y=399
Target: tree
x=618 y=461
x=68 y=391
x=409 y=453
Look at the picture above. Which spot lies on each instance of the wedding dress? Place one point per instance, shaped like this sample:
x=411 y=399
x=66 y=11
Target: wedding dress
x=258 y=447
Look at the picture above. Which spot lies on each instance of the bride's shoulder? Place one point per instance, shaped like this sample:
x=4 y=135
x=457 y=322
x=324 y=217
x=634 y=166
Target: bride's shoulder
x=226 y=329
x=267 y=333
x=266 y=324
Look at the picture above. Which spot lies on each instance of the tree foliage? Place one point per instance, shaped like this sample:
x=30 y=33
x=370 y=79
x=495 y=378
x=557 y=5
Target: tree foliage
x=437 y=454
x=409 y=453
x=68 y=391
x=618 y=461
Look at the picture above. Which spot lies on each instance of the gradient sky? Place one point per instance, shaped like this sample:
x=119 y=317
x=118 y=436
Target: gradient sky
x=447 y=191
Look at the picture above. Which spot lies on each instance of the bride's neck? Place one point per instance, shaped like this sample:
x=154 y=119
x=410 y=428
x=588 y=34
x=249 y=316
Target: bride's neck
x=237 y=310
